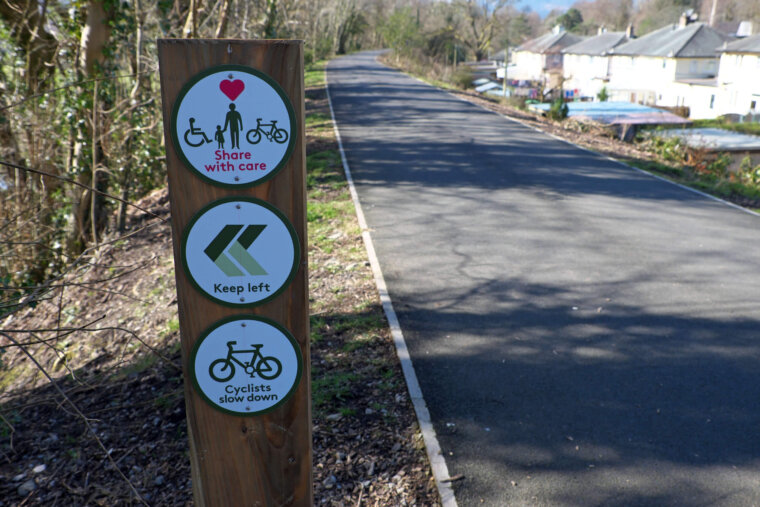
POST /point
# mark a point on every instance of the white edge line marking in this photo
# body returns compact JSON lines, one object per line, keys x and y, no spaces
{"x":435,"y":456}
{"x":588,"y":150}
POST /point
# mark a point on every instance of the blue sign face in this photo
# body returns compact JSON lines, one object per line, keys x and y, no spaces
{"x":245,"y":365}
{"x":240,"y":251}
{"x":233,"y":126}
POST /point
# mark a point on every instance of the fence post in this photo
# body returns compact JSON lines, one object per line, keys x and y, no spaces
{"x":234,"y":130}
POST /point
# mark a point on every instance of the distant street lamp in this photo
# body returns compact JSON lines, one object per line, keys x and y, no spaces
{"x":506,"y":62}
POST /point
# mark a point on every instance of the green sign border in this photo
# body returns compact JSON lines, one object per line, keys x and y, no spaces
{"x":248,"y":70}
{"x":212,"y":328}
{"x":280,"y":215}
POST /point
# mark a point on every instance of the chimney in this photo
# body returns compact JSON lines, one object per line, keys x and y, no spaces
{"x":746,"y":28}
{"x":629,"y":32}
{"x":689,"y":16}
{"x":712,"y":12}
{"x":558,"y":29}
{"x":602,"y":29}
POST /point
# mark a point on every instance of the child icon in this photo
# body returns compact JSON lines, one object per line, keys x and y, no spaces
{"x":219,"y":136}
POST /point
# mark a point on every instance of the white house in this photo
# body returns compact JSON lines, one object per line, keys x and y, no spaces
{"x":739,"y":76}
{"x":586,"y":65}
{"x":676,"y":65}
{"x":541,"y":59}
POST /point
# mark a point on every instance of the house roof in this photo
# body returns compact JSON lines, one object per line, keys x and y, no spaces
{"x":747,"y":45}
{"x":727,"y":27}
{"x":498,"y":56}
{"x":597,"y":45}
{"x":550,"y":42}
{"x":696,"y":40}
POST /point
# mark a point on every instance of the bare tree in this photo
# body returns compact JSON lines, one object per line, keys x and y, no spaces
{"x":482,"y":17}
{"x":611,"y":14}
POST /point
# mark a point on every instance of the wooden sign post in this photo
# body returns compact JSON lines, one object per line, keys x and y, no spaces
{"x":234,"y":129}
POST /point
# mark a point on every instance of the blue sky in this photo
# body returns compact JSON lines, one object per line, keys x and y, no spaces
{"x":544,"y":7}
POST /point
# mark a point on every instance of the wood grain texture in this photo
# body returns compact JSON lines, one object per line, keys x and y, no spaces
{"x":243,"y":461}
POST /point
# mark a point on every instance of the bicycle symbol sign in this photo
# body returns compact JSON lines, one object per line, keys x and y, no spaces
{"x":233,"y":126}
{"x":223,"y":369}
{"x":245,"y":365}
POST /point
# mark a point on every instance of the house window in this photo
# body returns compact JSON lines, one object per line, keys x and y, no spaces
{"x":712,"y":101}
{"x":752,"y":105}
{"x":664,"y":63}
{"x":693,"y":67}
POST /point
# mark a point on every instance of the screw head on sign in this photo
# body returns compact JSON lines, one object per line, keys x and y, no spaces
{"x":229,"y":76}
{"x":242,"y":324}
{"x":237,"y":206}
{"x":237,"y":178}
{"x":248,"y":409}
{"x":242,"y":299}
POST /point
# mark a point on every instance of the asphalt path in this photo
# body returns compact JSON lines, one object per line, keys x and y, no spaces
{"x":583,"y":333}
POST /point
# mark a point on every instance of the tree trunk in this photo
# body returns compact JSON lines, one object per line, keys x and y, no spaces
{"x":26,"y":20}
{"x":270,"y":23}
{"x":87,"y":208}
{"x":224,"y":14}
{"x":191,"y":22}
{"x":94,"y":37}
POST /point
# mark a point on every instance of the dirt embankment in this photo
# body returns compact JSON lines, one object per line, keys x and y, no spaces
{"x":113,"y":426}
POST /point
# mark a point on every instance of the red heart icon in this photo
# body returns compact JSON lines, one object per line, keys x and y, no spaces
{"x":232,"y":89}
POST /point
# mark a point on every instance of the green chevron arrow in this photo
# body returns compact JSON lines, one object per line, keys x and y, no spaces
{"x":237,"y":248}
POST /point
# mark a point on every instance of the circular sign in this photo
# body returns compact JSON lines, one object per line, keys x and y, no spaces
{"x":245,"y":365}
{"x":240,"y":251}
{"x":233,"y":126}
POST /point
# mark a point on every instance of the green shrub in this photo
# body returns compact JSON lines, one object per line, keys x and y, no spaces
{"x":719,"y":166}
{"x":748,"y":174}
{"x":558,"y":110}
{"x":462,"y":78}
{"x":671,"y":149}
{"x":517,"y":101}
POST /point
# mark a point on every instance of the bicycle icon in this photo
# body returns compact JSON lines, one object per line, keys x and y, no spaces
{"x":223,"y":369}
{"x":275,"y":134}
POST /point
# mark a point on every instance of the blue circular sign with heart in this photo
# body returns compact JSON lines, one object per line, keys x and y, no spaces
{"x":233,"y":126}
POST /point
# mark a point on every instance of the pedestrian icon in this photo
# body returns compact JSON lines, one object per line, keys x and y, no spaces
{"x":240,"y":251}
{"x":234,"y":122}
{"x":233,"y":126}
